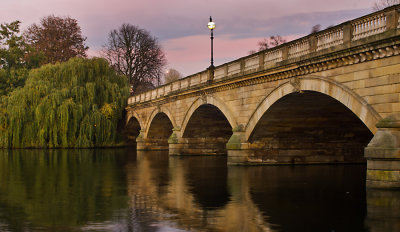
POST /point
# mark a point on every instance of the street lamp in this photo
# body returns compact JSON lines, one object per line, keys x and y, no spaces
{"x":211,"y":26}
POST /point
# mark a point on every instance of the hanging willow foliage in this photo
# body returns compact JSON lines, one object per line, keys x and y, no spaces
{"x":73,"y":104}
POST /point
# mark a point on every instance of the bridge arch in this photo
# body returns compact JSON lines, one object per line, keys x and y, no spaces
{"x":154,"y":113}
{"x":133,"y":114}
{"x":211,"y":101}
{"x":341,"y":93}
{"x":132,"y":128}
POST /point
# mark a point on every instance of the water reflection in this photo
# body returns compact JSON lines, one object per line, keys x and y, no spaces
{"x":121,"y":190}
{"x":201,"y":195}
{"x":383,"y":210}
{"x":310,"y":198}
{"x":58,"y":189}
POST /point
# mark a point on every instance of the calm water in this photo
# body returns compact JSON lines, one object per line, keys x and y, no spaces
{"x":120,"y":190}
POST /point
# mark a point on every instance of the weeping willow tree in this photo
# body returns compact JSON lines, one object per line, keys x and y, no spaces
{"x":73,"y":104}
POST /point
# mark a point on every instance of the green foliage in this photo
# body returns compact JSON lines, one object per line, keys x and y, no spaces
{"x":11,"y":79}
{"x":16,"y":57}
{"x":12,"y":45}
{"x":14,"y":51}
{"x":73,"y":104}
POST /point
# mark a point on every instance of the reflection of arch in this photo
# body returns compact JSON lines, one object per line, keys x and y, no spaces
{"x":212,"y":101}
{"x":135,"y":115}
{"x":154,"y":113}
{"x":333,"y":89}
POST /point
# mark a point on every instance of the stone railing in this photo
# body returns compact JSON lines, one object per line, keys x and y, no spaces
{"x":329,"y":38}
{"x":345,"y":35}
{"x":369,"y":26}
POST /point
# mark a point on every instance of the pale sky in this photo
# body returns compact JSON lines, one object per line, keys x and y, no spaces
{"x":181,"y":25}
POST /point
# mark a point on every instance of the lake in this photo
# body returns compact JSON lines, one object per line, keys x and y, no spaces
{"x":125,"y":190}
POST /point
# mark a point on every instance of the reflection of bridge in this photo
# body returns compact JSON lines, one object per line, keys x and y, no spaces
{"x":313,"y":100}
{"x":173,"y":201}
{"x":201,"y":194}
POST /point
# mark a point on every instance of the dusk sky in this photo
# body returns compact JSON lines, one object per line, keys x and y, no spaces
{"x":181,"y":25}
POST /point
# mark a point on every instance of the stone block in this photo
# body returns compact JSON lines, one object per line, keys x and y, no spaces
{"x":379,"y":184}
{"x":386,"y":70}
{"x":383,"y":107}
{"x":384,"y":98}
{"x":383,"y":175}
{"x":383,"y":80}
{"x":379,"y":90}
{"x":383,"y":165}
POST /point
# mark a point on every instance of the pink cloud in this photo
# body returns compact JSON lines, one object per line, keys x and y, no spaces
{"x":192,"y":54}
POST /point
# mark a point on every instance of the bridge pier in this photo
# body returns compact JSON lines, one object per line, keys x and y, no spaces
{"x":238,"y":148}
{"x":179,"y":145}
{"x":383,"y":154}
{"x":149,"y":144}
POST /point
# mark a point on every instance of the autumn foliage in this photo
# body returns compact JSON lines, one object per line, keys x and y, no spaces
{"x":58,"y":38}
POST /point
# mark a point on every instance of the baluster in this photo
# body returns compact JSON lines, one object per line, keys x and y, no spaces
{"x":374,"y":23}
{"x":365,"y":29}
{"x":398,"y":23}
{"x":370,"y":27}
{"x":335,"y":38}
{"x":319,"y":43}
{"x":355,"y":32}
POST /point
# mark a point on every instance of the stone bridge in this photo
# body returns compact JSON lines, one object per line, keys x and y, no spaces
{"x":316,"y":99}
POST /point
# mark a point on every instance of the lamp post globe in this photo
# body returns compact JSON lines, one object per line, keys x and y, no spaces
{"x":211,"y":24}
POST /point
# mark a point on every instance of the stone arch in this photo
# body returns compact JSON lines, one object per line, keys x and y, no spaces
{"x":343,"y":94}
{"x":132,"y":129}
{"x":132,"y":114}
{"x":153,"y":115}
{"x":212,"y":101}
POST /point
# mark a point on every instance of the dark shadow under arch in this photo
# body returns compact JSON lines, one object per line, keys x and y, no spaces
{"x":159,"y":131}
{"x":132,"y":131}
{"x":310,"y":127}
{"x":208,"y":121}
{"x":208,"y":130}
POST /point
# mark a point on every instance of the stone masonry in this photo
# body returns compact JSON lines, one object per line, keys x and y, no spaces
{"x":317,"y":99}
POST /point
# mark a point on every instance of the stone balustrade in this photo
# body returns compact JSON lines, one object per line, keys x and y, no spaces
{"x":369,"y":26}
{"x":345,"y":35}
{"x":330,"y":38}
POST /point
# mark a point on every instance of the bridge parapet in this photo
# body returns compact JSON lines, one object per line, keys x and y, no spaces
{"x":346,"y":35}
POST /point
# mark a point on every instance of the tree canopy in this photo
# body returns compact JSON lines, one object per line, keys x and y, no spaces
{"x":381,"y":4}
{"x":72,"y":104}
{"x":58,"y":38}
{"x":271,"y":42}
{"x":16,"y":57}
{"x":172,"y":75}
{"x":133,"y":52}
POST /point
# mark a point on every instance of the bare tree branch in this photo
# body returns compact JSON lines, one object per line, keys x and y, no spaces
{"x":133,"y":52}
{"x":381,"y":4}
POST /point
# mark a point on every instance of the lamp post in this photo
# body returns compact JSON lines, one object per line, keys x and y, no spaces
{"x":211,"y":26}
